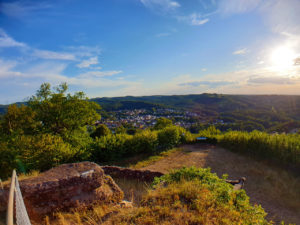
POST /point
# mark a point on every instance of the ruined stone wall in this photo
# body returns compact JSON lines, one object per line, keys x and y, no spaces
{"x":120,"y":172}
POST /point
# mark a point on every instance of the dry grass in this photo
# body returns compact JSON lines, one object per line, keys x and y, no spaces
{"x":275,"y":189}
{"x":155,"y":158}
{"x":22,"y":176}
{"x":133,"y":189}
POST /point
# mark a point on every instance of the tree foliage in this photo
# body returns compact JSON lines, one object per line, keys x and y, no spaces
{"x":162,"y":123}
{"x":59,"y":112}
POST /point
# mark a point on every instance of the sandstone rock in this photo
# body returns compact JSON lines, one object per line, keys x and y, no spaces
{"x":75,"y":185}
{"x":126,"y":204}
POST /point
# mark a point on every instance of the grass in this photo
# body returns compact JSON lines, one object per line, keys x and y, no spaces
{"x":22,"y":176}
{"x":133,"y":189}
{"x":155,"y":158}
{"x":192,"y":196}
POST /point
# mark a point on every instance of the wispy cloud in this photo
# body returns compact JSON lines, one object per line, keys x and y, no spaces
{"x":6,"y":41}
{"x":95,"y":74}
{"x":272,"y":80}
{"x":161,"y":5}
{"x":193,"y":19}
{"x":211,"y":84}
{"x":45,"y":54}
{"x":237,"y":6}
{"x":88,"y":62}
{"x":165,"y":34}
{"x":83,"y":51}
{"x":241,"y":51}
{"x":22,"y":8}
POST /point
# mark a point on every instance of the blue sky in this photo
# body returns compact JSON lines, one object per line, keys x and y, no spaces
{"x":150,"y":47}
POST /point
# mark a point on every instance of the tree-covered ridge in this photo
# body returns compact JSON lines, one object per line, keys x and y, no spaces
{"x":239,"y":112}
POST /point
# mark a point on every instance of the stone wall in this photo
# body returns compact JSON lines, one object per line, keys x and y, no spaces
{"x":120,"y":172}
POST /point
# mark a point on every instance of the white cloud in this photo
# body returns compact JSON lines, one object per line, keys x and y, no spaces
{"x":45,"y":54}
{"x":240,"y":51}
{"x":237,"y":6}
{"x":193,"y":19}
{"x":95,"y":74}
{"x":6,"y":41}
{"x":161,"y":5}
{"x":6,"y":69}
{"x":282,"y":16}
{"x":84,"y":51}
{"x":163,"y":34}
{"x":22,"y":8}
{"x":88,"y":62}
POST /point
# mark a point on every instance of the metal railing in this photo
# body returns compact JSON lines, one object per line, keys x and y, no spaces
{"x":15,"y":199}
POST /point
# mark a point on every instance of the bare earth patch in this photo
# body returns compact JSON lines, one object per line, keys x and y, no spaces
{"x":277,"y":191}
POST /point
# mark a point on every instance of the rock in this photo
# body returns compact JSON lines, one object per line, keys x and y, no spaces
{"x":68,"y":186}
{"x":126,"y":204}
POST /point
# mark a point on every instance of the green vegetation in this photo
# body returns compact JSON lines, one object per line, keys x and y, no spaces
{"x":55,"y":127}
{"x":283,"y":149}
{"x":51,"y":129}
{"x":239,"y":112}
{"x":116,"y":146}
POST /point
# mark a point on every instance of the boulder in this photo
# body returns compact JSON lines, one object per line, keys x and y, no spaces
{"x":68,"y":186}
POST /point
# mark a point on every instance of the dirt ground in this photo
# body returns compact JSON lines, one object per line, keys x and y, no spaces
{"x":277,"y":191}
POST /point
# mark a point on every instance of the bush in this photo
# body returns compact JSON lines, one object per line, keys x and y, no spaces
{"x":110,"y":147}
{"x":172,"y":136}
{"x":194,"y":196}
{"x":101,"y":130}
{"x":143,"y":142}
{"x":284,"y":148}
{"x":41,"y":152}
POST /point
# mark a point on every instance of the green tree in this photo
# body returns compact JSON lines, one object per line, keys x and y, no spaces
{"x":59,"y":112}
{"x":101,"y":130}
{"x":19,"y":120}
{"x":161,"y":123}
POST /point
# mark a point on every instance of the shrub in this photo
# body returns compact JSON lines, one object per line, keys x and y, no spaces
{"x":101,"y":130}
{"x":194,"y":196}
{"x":41,"y":152}
{"x":110,"y":147}
{"x":168,"y":137}
{"x":284,"y":148}
{"x":143,"y":142}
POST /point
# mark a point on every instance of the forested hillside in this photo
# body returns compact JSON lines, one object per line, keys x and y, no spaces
{"x":241,"y":112}
{"x":271,"y":113}
{"x":215,"y":104}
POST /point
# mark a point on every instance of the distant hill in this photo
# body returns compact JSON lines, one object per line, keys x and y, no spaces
{"x":259,"y":111}
{"x":111,"y":104}
{"x":213,"y":104}
{"x":272,"y":112}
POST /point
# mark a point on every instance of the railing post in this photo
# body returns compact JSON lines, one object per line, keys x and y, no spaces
{"x":10,"y":206}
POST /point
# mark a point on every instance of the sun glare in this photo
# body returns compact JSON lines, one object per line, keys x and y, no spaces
{"x":282,"y":58}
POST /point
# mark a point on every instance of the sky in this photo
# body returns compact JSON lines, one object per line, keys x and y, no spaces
{"x":112,"y":48}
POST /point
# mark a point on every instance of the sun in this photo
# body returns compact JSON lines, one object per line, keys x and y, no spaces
{"x":282,"y":58}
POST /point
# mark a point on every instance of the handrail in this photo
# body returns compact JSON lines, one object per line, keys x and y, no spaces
{"x":10,"y":206}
